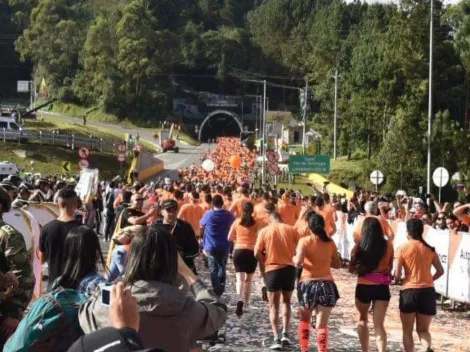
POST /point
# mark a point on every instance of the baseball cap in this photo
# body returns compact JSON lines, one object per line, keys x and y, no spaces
{"x":170,"y":204}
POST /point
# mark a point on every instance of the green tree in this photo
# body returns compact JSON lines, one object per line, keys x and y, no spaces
{"x":53,"y":42}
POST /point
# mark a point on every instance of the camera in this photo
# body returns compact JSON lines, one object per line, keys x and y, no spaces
{"x":106,"y":295}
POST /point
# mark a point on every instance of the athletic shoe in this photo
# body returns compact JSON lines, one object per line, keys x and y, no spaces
{"x":239,"y":311}
{"x":285,"y":339}
{"x":276,"y":346}
{"x":264,"y":294}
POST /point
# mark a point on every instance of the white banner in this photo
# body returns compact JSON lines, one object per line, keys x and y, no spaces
{"x":459,"y":267}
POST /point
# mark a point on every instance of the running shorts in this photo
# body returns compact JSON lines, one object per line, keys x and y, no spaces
{"x":281,"y":279}
{"x":317,"y":292}
{"x":244,"y":261}
{"x":418,"y":300}
{"x":369,"y":293}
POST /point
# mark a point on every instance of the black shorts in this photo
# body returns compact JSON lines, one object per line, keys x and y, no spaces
{"x":418,"y":300}
{"x":370,"y":293}
{"x":280,"y":280}
{"x":244,"y":261}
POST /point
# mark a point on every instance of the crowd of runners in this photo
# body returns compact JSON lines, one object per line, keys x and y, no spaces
{"x":147,"y":292}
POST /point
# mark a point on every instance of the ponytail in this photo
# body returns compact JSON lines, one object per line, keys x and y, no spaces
{"x":316,"y":224}
{"x":247,"y":219}
{"x":415,"y":228}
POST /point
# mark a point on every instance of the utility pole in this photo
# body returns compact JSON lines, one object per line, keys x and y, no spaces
{"x":263,"y":165}
{"x":431,"y":25}
{"x":336,"y":115}
{"x":305,"y":115}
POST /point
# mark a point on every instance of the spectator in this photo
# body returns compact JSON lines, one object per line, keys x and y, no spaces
{"x":169,"y":318}
{"x":81,"y":254}
{"x":53,"y":234}
{"x":16,"y":260}
{"x":181,"y":231}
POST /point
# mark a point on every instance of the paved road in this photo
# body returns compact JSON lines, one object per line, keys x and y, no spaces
{"x":187,"y":155}
{"x":144,"y":133}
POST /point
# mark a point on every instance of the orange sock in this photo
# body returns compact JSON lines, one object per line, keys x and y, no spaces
{"x":304,"y":335}
{"x":322,"y":340}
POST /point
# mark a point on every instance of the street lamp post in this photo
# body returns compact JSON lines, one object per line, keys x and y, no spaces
{"x":431,"y":28}
{"x":336,"y":115}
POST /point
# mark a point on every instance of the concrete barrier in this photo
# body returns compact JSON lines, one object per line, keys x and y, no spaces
{"x":149,"y":166}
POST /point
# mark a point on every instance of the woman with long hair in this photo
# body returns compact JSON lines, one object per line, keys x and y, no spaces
{"x":317,"y":290}
{"x":243,"y":234}
{"x":169,"y":318}
{"x":372,"y":261}
{"x":82,"y":253}
{"x":417,"y":293}
{"x":79,"y":280}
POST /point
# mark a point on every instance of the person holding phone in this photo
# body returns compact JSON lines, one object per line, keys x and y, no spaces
{"x":169,"y":318}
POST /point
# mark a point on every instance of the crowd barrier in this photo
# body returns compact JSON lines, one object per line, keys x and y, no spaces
{"x":453,"y":250}
{"x":29,"y":221}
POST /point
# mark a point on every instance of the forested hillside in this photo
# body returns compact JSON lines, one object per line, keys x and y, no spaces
{"x":118,"y":55}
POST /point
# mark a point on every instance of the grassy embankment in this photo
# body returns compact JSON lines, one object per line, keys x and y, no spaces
{"x":49,"y":159}
{"x":98,"y":115}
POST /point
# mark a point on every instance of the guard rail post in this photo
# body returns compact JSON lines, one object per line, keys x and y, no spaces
{"x":19,"y":136}
{"x":40,"y":137}
{"x":73,"y":142}
{"x":91,"y":141}
{"x":101,"y":146}
{"x":53,"y":137}
{"x":4,"y":135}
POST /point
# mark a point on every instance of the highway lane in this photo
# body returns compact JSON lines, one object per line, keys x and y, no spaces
{"x":186,"y":157}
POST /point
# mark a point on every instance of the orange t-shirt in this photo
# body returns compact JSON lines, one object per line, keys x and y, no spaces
{"x":417,"y":261}
{"x":303,"y":230}
{"x":205,"y":207}
{"x":261,"y":215}
{"x":465,"y":218}
{"x":357,"y":232}
{"x":192,"y":213}
{"x":289,"y":213}
{"x":329,"y":215}
{"x":385,"y":264}
{"x":237,"y":206}
{"x":243,"y":237}
{"x":318,"y":258}
{"x":279,"y":241}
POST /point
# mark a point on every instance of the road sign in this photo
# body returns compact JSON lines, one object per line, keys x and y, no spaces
{"x":84,"y":153}
{"x":66,"y":166}
{"x":122,"y":157}
{"x":272,"y":156}
{"x":22,"y":86}
{"x":299,"y":164}
{"x":121,"y":148}
{"x":83,"y":164}
{"x":273,"y":169}
{"x":376,"y":177}
{"x":459,"y":177}
{"x":440,"y":177}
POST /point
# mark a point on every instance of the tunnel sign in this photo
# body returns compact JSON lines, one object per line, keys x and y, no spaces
{"x":301,"y":164}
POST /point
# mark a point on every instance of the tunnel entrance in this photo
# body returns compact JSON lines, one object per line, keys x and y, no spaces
{"x":219,"y":124}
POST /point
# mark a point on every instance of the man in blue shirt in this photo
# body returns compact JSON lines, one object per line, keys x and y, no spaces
{"x":216,"y":225}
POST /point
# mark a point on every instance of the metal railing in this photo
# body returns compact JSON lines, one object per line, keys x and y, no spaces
{"x":71,"y":141}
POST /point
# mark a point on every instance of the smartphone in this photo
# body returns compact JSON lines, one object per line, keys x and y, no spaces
{"x":106,"y":295}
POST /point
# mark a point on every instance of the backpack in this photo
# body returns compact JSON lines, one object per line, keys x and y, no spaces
{"x":50,"y":325}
